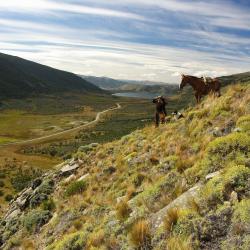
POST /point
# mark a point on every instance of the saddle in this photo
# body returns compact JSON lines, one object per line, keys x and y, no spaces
{"x":207,"y":80}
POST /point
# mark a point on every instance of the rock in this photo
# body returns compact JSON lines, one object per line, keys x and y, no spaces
{"x":37,"y":182}
{"x":237,"y":130}
{"x":181,"y":202}
{"x":83,"y":177}
{"x":110,"y":170}
{"x":121,"y":198}
{"x":233,"y":198}
{"x":69,"y":169}
{"x":70,"y":178}
{"x":13,"y":214}
{"x":212,"y":175}
{"x":216,"y":132}
{"x":23,"y":200}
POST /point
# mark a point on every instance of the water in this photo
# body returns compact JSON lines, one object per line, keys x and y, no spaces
{"x":142,"y":95}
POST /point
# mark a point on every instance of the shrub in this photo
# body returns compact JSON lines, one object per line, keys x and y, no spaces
{"x":122,"y":210}
{"x":35,"y":219}
{"x":244,"y":123}
{"x":140,"y":235}
{"x":233,"y":148}
{"x":75,"y":241}
{"x":49,"y":205}
{"x":241,"y":217}
{"x":1,"y":183}
{"x":42,"y":193}
{"x":23,"y":178}
{"x":171,"y":219}
{"x":8,"y":197}
{"x":2,"y":175}
{"x":76,"y":187}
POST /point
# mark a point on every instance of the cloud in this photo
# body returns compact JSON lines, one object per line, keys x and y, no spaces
{"x":152,"y":40}
{"x":52,"y":6}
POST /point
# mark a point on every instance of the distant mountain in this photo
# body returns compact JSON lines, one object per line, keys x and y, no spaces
{"x":167,"y":89}
{"x":114,"y":84}
{"x":104,"y":82}
{"x":21,"y":78}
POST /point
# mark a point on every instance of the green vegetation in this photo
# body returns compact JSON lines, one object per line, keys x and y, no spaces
{"x":150,"y":189}
{"x":35,"y":219}
{"x":76,"y":187}
{"x":21,"y":78}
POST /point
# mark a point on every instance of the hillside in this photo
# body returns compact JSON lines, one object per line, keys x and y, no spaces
{"x":184,"y":185}
{"x":22,"y":78}
{"x":166,"y":89}
{"x":104,"y":82}
{"x":236,"y":78}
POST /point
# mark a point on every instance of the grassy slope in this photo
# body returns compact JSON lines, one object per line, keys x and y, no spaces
{"x":156,"y":166}
{"x":20,"y":78}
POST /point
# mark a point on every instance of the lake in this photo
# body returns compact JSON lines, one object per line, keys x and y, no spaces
{"x":143,"y":95}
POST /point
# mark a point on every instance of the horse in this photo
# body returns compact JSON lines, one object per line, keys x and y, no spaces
{"x":160,"y":113}
{"x":200,"y":87}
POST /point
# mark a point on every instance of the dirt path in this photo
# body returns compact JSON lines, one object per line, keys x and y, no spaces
{"x":39,"y":139}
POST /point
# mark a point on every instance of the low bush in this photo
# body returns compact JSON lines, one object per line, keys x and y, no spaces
{"x":49,"y":205}
{"x":35,"y":219}
{"x":8,"y":197}
{"x":76,"y":187}
{"x":1,"y":183}
{"x":75,"y":241}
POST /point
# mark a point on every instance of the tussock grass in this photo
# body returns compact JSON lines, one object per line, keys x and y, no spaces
{"x":140,"y":236}
{"x":179,"y":243}
{"x":122,"y":210}
{"x":171,"y":219}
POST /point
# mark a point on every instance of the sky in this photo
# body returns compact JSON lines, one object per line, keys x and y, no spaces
{"x":154,"y":40}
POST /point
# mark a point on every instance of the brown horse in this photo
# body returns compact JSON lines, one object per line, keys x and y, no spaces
{"x":200,"y":87}
{"x":160,"y":113}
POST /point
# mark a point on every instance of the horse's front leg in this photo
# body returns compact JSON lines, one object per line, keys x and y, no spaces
{"x":197,"y":97}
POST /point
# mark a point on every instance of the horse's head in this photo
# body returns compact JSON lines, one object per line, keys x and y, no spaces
{"x":159,"y":100}
{"x":184,"y":81}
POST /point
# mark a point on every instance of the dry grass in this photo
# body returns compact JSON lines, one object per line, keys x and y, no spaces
{"x":171,"y":219}
{"x":140,"y":235}
{"x":194,"y":206}
{"x":122,"y":210}
{"x":97,"y":239}
{"x":179,"y":243}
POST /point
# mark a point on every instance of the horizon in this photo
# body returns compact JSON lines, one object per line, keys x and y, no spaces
{"x":147,"y":40}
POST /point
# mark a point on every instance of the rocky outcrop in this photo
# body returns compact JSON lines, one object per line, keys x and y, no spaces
{"x":30,"y":198}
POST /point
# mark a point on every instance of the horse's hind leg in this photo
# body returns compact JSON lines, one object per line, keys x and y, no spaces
{"x":157,"y":119}
{"x":162,"y":117}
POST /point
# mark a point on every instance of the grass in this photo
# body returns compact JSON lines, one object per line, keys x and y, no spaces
{"x":76,"y":187}
{"x":179,"y":243}
{"x":122,"y":210}
{"x":171,"y":219}
{"x":140,"y":236}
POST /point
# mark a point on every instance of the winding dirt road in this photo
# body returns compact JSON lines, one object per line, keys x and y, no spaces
{"x":97,"y":118}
